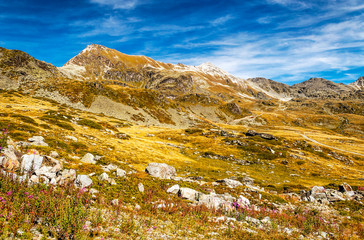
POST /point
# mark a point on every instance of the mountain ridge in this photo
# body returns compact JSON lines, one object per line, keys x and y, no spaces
{"x":104,"y":80}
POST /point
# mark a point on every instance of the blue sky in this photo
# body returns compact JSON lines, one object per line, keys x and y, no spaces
{"x":284,"y":40}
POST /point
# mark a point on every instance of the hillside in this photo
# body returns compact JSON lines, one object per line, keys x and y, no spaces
{"x":113,"y":146}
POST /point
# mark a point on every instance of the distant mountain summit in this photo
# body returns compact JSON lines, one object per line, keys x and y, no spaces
{"x":358,"y":84}
{"x":321,"y":88}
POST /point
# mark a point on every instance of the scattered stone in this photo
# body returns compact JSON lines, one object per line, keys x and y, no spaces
{"x":9,"y":160}
{"x":71,"y":138}
{"x":243,"y":201}
{"x":230,"y":183}
{"x":31,"y":162}
{"x":104,"y":177}
{"x":45,"y":171}
{"x":188,"y":193}
{"x":54,"y":154}
{"x":34,"y":179}
{"x":38,"y":141}
{"x":112,"y":181}
{"x":344,"y":187}
{"x":88,"y":158}
{"x":161,"y":170}
{"x":334,"y":196}
{"x":67,"y":176}
{"x":174,"y":189}
{"x":83,"y":181}
{"x":115,"y":202}
{"x":120,"y":172}
{"x":141,"y":187}
{"x":251,"y":133}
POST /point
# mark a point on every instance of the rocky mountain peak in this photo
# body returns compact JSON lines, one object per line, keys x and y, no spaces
{"x":358,"y":84}
{"x":93,"y":47}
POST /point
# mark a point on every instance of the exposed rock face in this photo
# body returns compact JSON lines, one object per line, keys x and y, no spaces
{"x":273,"y":88}
{"x":216,"y":200}
{"x":358,"y":84}
{"x":234,"y":108}
{"x":161,"y":170}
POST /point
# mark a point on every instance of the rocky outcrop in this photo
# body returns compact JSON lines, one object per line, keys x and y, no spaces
{"x":251,"y":133}
{"x":161,"y":170}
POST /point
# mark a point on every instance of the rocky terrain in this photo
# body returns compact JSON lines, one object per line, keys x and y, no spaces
{"x":112,"y":146}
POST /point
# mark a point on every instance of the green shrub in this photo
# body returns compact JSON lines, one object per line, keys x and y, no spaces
{"x":25,"y":119}
{"x":89,"y":123}
{"x":193,"y":130}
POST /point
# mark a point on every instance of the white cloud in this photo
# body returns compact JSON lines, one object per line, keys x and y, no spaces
{"x":329,"y":48}
{"x":221,"y":20}
{"x":118,"y":4}
{"x":112,"y":26}
{"x":294,"y":4}
{"x":168,"y":29}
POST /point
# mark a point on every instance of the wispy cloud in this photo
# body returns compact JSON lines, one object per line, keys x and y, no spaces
{"x":290,"y":58}
{"x":111,"y":26}
{"x":221,"y":20}
{"x":294,"y":4}
{"x":118,"y":4}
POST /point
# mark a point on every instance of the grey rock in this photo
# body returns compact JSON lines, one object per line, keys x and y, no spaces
{"x":115,"y":202}
{"x":71,"y":138}
{"x":83,"y":181}
{"x":104,"y":177}
{"x":120,"y":172}
{"x":9,"y":160}
{"x":141,"y":187}
{"x":88,"y":158}
{"x":45,"y":171}
{"x":54,"y":154}
{"x":67,"y":176}
{"x":161,"y":170}
{"x":230,"y":183}
{"x":188,"y":193}
{"x":38,"y":141}
{"x":243,"y":201}
{"x":174,"y":189}
{"x":211,"y":200}
{"x":31,"y":162}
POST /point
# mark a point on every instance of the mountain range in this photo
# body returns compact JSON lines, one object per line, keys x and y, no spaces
{"x":138,"y":88}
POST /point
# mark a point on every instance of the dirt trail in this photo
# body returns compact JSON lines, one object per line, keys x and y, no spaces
{"x":322,"y":144}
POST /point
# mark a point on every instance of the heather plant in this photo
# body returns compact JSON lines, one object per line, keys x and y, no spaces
{"x":59,"y":212}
